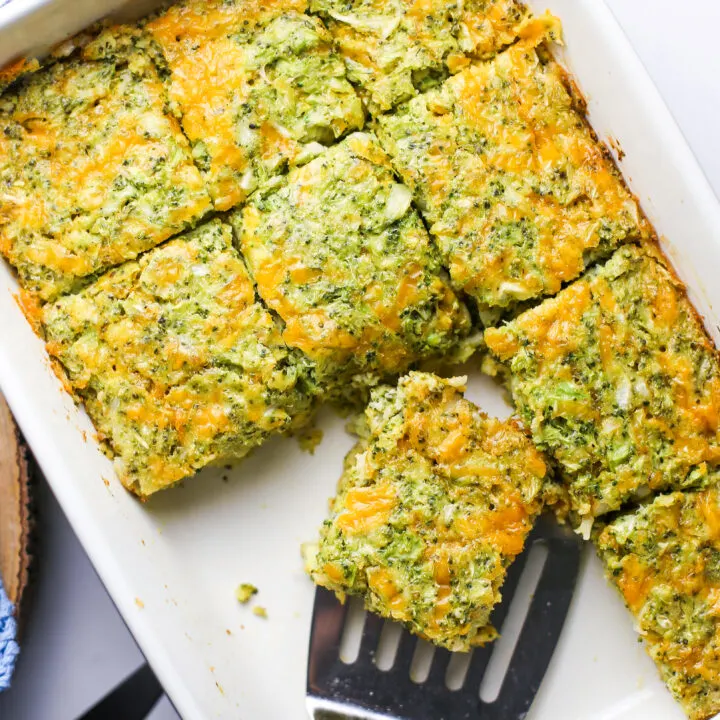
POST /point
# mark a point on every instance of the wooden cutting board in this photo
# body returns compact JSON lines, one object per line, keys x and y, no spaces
{"x":15,"y":511}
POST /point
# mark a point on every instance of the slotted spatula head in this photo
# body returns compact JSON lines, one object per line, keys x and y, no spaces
{"x":337,"y":689}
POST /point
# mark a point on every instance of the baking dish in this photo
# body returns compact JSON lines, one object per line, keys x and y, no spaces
{"x":172,"y":564}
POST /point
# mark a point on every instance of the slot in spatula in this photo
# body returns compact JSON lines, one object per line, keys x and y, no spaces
{"x":360,"y":690}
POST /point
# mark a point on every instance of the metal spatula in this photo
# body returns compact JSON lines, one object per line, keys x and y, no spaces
{"x":360,"y":690}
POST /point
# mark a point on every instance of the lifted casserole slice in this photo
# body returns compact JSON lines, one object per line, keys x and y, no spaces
{"x":396,"y":48}
{"x":178,"y":365}
{"x":337,"y":251}
{"x":257,"y":86}
{"x":664,"y":558}
{"x":618,"y":380}
{"x":92,"y":170}
{"x":515,"y":188}
{"x":434,"y":503}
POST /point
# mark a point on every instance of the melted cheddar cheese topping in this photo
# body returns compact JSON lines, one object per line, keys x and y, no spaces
{"x":92,"y":170}
{"x":516,"y":190}
{"x":178,"y":364}
{"x":395,"y":48}
{"x":618,"y":380}
{"x":339,"y":254}
{"x":257,"y":86}
{"x":435,"y":502}
{"x":664,"y":558}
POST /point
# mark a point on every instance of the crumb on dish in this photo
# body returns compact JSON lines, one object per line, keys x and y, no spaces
{"x":244,"y":592}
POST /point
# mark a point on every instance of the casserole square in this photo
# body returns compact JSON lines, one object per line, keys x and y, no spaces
{"x":618,"y":381}
{"x":395,"y":49}
{"x":434,"y":503}
{"x":93,"y":171}
{"x":514,"y":186}
{"x":177,"y":363}
{"x":257,"y":86}
{"x":664,"y":558}
{"x":337,"y":251}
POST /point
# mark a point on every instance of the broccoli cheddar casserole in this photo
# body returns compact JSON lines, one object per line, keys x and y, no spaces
{"x":229,"y":212}
{"x":434,"y":503}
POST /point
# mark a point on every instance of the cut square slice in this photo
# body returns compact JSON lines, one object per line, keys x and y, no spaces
{"x":515,"y":188}
{"x":178,"y":365}
{"x":434,"y":503}
{"x":257,"y":86}
{"x":619,"y":382}
{"x":92,"y":170}
{"x":664,"y":558}
{"x":395,"y":49}
{"x":339,"y":254}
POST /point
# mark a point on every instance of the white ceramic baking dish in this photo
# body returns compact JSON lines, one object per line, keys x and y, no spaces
{"x":172,"y":564}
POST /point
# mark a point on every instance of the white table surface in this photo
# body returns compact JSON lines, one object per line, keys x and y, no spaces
{"x":76,"y":646}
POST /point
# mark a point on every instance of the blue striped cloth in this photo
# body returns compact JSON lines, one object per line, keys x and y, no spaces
{"x":9,"y":648}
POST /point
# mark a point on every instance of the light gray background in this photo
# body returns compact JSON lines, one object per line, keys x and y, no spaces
{"x":76,"y":646}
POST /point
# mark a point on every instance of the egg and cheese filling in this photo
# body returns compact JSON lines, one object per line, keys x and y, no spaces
{"x":664,"y":558}
{"x":257,"y":85}
{"x":397,"y":48}
{"x":93,"y":171}
{"x":337,"y":251}
{"x":434,"y":503}
{"x":516,"y":190}
{"x":178,"y":364}
{"x":619,"y":382}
